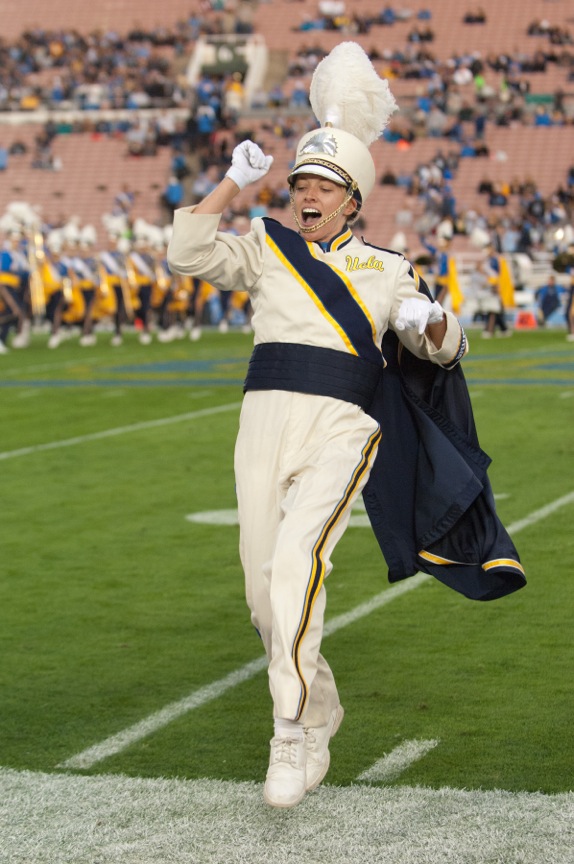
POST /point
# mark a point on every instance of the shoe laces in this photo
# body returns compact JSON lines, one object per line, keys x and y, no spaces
{"x":285,"y":750}
{"x":310,"y":737}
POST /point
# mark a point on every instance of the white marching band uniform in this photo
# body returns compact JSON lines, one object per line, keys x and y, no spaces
{"x":306,"y":443}
{"x":286,"y":499}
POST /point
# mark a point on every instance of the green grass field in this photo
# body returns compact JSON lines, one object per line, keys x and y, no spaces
{"x":114,"y":605}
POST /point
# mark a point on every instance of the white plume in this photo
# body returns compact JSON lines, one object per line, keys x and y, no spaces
{"x":88,"y":235}
{"x":347,"y":93}
{"x":479,"y":237}
{"x":140,"y":228}
{"x":115,"y":225}
{"x":24,"y":213}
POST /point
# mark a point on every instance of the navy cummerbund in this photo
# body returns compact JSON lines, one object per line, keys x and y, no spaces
{"x":318,"y":371}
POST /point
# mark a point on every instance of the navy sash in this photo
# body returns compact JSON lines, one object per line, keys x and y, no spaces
{"x":314,"y":370}
{"x":329,"y":288}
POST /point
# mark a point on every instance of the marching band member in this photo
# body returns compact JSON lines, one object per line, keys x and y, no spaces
{"x":310,"y":427}
{"x":74,"y":307}
{"x":140,"y":266}
{"x":501,"y":292}
{"x":87,"y":269}
{"x":202,"y":292}
{"x":14,"y":276}
{"x":112,"y":262}
{"x":164,"y":287}
{"x":57,"y":285}
{"x":322,"y":301}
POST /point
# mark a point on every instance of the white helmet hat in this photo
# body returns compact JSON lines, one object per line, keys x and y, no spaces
{"x":10,"y":226}
{"x":88,"y":236}
{"x":55,"y":241}
{"x":353,"y":106}
{"x":338,"y":156}
{"x":155,"y":237}
{"x":71,"y":233}
{"x":123,"y":245}
{"x":399,"y":243}
{"x":115,"y":225}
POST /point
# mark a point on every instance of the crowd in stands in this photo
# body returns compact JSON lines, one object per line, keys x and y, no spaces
{"x":146,"y":68}
{"x":105,"y":69}
{"x":453,"y":102}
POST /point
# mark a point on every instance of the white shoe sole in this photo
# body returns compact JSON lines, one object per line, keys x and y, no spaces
{"x":283,"y":805}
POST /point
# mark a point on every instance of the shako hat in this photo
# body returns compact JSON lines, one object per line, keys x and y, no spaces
{"x":353,"y":106}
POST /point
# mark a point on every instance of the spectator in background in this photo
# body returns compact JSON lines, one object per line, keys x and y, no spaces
{"x":542,"y":116}
{"x":493,"y":307}
{"x":570,"y":305}
{"x":497,"y":196}
{"x":205,"y":182}
{"x":233,"y":97}
{"x":172,"y":196}
{"x":124,"y":201}
{"x":549,"y":299}
{"x":476,"y":16}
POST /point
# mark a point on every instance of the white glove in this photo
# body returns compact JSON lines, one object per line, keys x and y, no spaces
{"x":248,"y":164}
{"x":416,"y":313}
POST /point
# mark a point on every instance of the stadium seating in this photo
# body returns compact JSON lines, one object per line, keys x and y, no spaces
{"x":93,"y":168}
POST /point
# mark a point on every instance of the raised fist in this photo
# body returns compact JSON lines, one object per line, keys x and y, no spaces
{"x":248,"y":164}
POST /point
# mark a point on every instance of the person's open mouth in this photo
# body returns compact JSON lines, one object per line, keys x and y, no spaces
{"x":310,"y":216}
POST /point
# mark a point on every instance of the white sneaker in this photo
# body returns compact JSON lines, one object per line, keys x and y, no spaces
{"x":145,"y":338}
{"x":223,"y":326}
{"x":88,"y":340}
{"x":54,"y":340}
{"x":285,"y":783}
{"x":3,"y":348}
{"x":195,"y":334}
{"x":317,"y":747}
{"x":167,"y":335}
{"x":570,"y":337}
{"x":116,"y":340}
{"x":22,"y":339}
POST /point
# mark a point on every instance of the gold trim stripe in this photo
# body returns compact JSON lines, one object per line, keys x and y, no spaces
{"x":318,"y":566}
{"x":489,"y":565}
{"x":285,"y":261}
{"x":503,"y":562}
{"x":436,"y":559}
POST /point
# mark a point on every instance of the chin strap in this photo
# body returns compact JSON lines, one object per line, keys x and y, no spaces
{"x":327,"y":219}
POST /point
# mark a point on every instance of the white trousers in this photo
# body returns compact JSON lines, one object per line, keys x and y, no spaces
{"x":300,"y":463}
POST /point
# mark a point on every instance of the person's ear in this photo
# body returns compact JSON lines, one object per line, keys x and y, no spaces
{"x":350,"y":207}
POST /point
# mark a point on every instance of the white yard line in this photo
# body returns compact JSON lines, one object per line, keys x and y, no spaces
{"x":538,"y":515}
{"x":117,"y":743}
{"x":133,"y":734}
{"x":393,"y":764}
{"x":119,"y":430}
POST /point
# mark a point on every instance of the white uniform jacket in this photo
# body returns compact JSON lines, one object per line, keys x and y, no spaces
{"x":342,"y":296}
